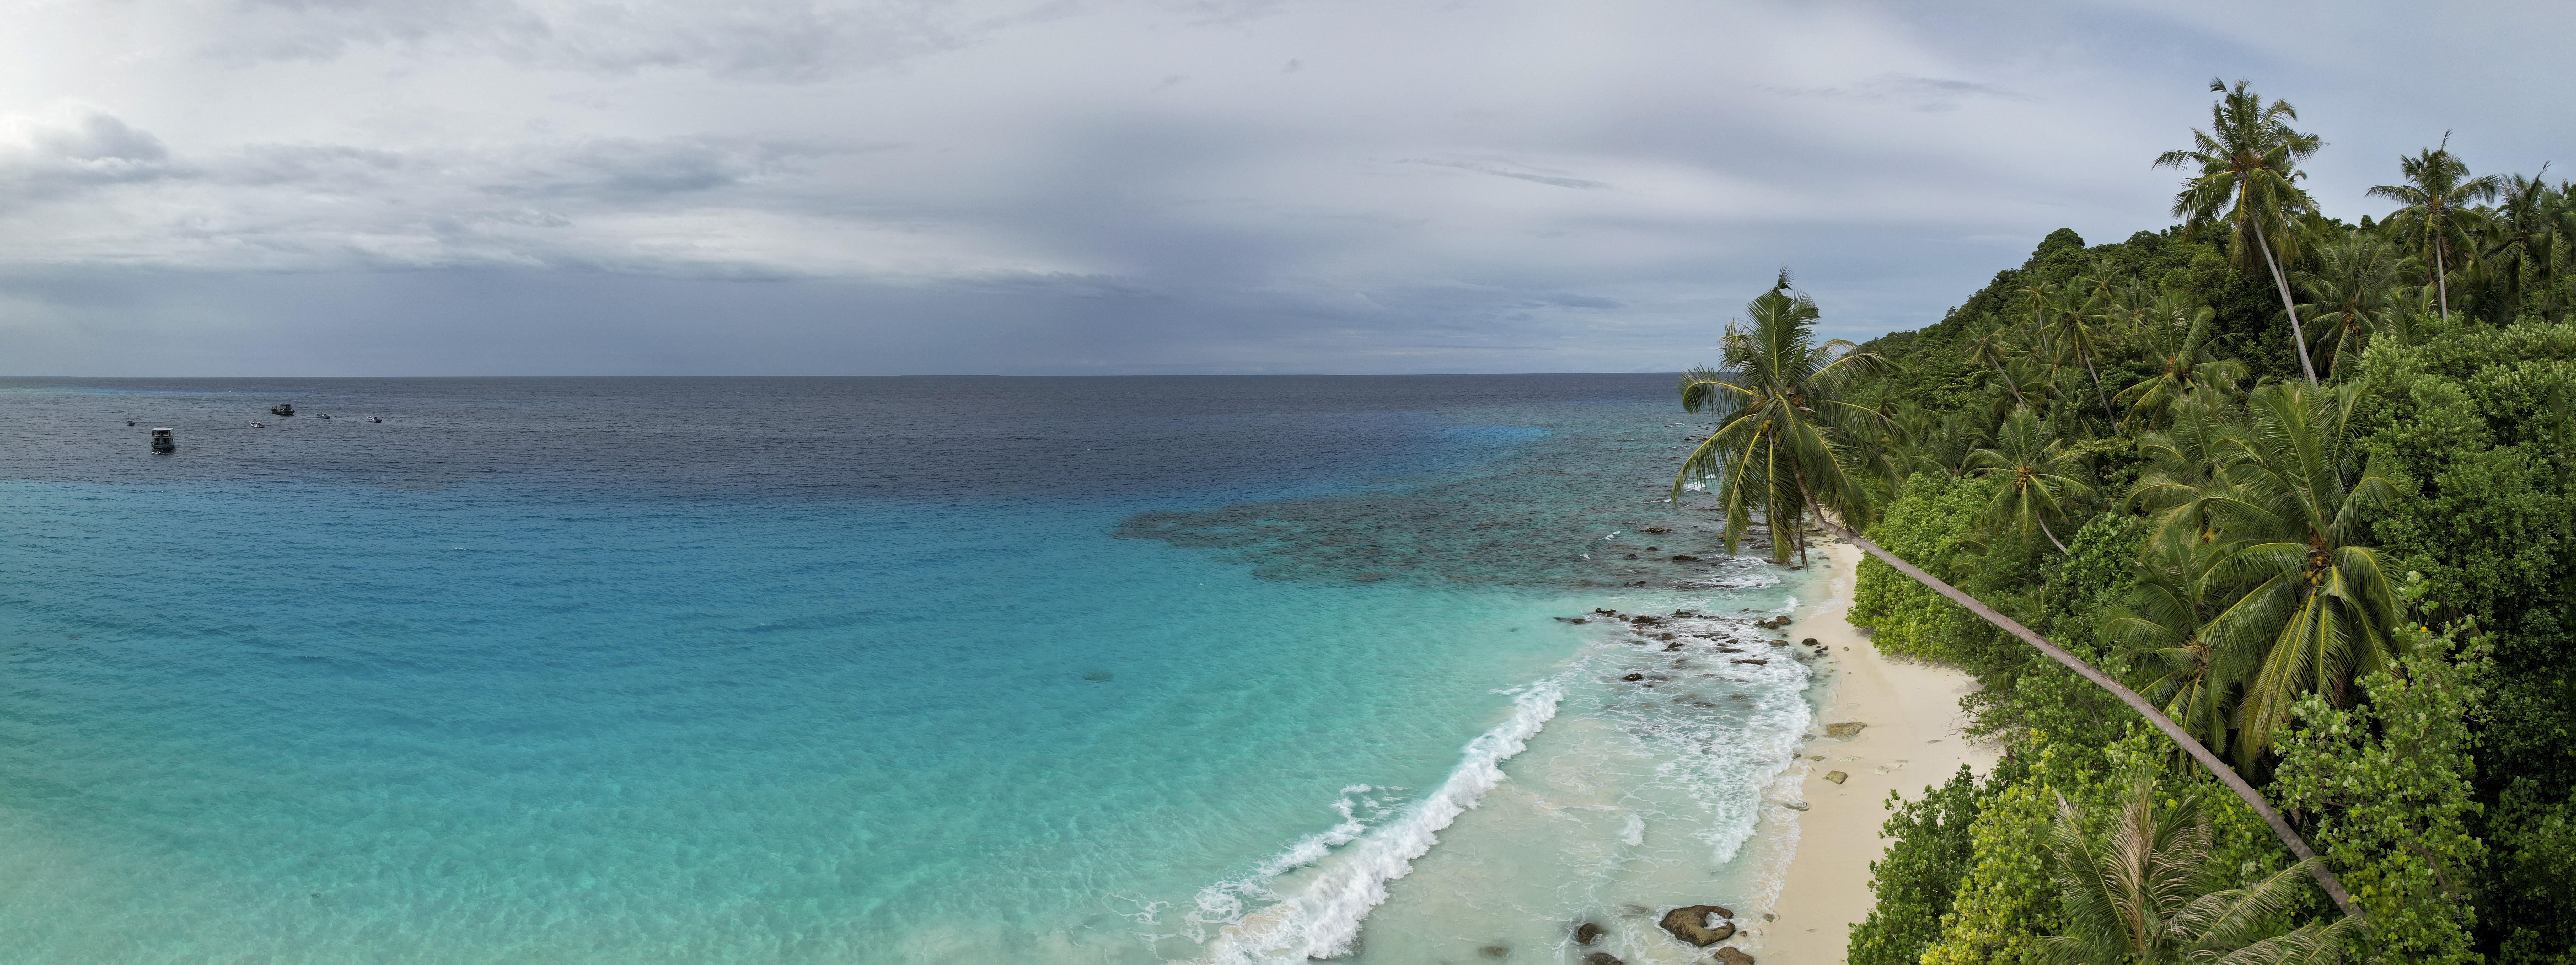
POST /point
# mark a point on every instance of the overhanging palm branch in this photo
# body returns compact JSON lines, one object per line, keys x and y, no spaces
{"x":2145,"y":889}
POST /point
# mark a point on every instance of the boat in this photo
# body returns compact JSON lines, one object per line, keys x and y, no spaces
{"x":259,"y":425}
{"x":325,"y":415}
{"x":162,"y":442}
{"x":374,"y":419}
{"x":282,"y":408}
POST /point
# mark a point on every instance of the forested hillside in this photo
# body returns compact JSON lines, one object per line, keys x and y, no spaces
{"x":2357,"y":587}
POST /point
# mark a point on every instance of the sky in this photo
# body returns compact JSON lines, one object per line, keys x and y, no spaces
{"x":894,"y":187}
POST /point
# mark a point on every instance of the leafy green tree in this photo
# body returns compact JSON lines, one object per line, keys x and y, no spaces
{"x":2040,"y":478}
{"x":2437,"y":219}
{"x":2385,"y":786}
{"x":1784,"y":441}
{"x":2312,"y":607}
{"x":2144,"y":890}
{"x":1928,"y":854}
{"x":2249,"y":182}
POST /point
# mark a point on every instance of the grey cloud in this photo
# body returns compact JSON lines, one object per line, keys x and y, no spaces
{"x":1552,"y":180}
{"x":1907,"y":90}
{"x":87,"y":149}
{"x":777,"y":40}
{"x":630,"y":169}
{"x":1584,"y":301}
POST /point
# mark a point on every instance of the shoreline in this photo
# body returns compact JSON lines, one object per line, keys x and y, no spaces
{"x":1915,"y":736}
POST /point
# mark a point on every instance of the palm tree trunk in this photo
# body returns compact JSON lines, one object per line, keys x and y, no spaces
{"x":2298,"y":339}
{"x":2216,"y":767}
{"x":2097,"y":390}
{"x":2441,"y":284}
{"x":2052,"y":537}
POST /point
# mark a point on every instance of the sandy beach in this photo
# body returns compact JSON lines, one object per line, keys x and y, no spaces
{"x":1913,"y":738}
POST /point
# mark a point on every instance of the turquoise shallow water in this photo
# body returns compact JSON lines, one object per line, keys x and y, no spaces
{"x":1102,"y":671}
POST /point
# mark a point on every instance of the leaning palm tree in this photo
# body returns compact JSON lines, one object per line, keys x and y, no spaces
{"x":1786,"y":440}
{"x":2352,"y":284}
{"x":2249,"y":183}
{"x":2313,"y":608}
{"x":2038,"y":474}
{"x":1782,"y":422}
{"x":2148,"y":890}
{"x":2437,"y":194}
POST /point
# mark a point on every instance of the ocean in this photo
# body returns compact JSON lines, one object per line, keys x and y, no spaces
{"x":938,"y":670}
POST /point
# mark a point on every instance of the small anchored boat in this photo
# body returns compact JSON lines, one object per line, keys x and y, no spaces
{"x":259,"y":425}
{"x":283,"y":408}
{"x":374,"y":419}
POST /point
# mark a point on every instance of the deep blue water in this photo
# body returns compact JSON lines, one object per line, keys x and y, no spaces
{"x":899,"y":669}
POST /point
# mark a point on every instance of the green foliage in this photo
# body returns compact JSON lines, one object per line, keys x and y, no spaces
{"x":2242,"y":581}
{"x":1929,"y":854}
{"x":2385,"y":789}
{"x":2006,"y":903}
{"x":1930,"y":524}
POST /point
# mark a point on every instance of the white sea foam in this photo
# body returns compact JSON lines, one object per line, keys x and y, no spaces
{"x":1321,"y":918}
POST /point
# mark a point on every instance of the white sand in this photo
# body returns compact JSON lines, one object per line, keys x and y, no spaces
{"x":1913,"y":739}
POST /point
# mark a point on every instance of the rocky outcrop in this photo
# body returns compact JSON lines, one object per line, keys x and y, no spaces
{"x":1586,"y":932}
{"x":1603,"y":958}
{"x":1690,"y":924}
{"x":1845,"y":729}
{"x":1731,"y":955}
{"x":1837,"y":776}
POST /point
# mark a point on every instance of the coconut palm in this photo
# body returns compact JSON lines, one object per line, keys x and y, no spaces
{"x":2185,"y":458}
{"x":1797,"y":428}
{"x":1993,"y":347}
{"x":2249,"y":183}
{"x":2147,"y":889}
{"x":2312,"y":608}
{"x":2177,"y":333}
{"x":2038,"y":474}
{"x":2352,"y":285}
{"x":2078,"y":332}
{"x":1785,"y":437}
{"x":2532,"y":223}
{"x":2161,"y":623}
{"x":2437,"y":193}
